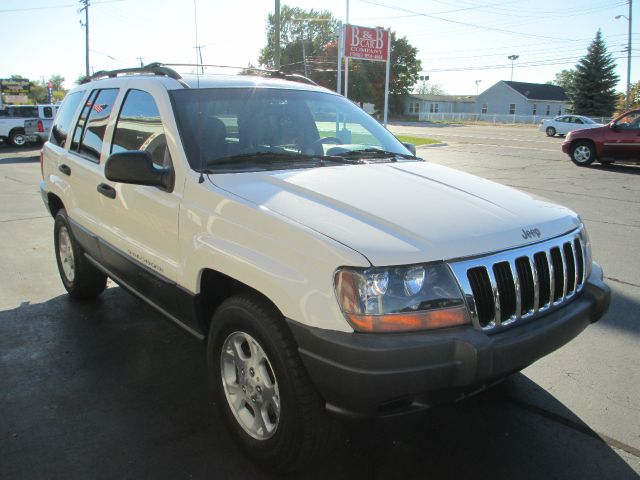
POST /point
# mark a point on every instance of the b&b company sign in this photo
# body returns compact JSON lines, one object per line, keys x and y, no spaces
{"x":366,"y":43}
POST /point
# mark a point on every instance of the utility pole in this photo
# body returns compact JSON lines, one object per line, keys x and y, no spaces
{"x":141,"y":64}
{"x":478,"y":81}
{"x":199,"y":48}
{"x":513,"y":58}
{"x":276,"y":56}
{"x":628,"y":97}
{"x":86,"y":4}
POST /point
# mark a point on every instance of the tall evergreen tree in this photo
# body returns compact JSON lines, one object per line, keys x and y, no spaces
{"x":595,"y":80}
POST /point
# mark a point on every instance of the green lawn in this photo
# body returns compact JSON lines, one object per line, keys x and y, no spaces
{"x":417,"y":140}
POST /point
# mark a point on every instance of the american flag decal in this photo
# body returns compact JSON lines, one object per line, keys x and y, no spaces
{"x":99,"y":108}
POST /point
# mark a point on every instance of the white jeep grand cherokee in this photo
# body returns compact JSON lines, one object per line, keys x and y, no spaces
{"x":328,"y":268}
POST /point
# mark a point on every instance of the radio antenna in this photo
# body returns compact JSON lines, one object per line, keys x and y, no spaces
{"x":199,"y":117}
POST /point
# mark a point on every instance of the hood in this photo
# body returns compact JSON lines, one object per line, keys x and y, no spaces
{"x":405,"y":212}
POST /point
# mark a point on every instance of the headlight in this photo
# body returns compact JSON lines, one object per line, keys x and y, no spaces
{"x":400,"y":299}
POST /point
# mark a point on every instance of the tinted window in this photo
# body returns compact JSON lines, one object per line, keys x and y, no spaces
{"x":77,"y":134}
{"x":97,"y":122}
{"x":47,"y":112}
{"x":23,"y":112}
{"x":62,"y":125}
{"x":139,"y":128}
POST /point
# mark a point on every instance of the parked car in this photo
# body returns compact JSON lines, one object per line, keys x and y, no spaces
{"x":564,"y":124}
{"x":328,"y":269}
{"x":20,"y":124}
{"x":619,"y":140}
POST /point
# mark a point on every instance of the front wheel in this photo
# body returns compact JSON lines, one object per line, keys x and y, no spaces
{"x":262,"y":390}
{"x":583,"y":154}
{"x":550,"y":131}
{"x":80,"y":278}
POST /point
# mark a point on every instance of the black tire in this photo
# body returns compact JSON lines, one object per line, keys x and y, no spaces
{"x":17,"y":138}
{"x":304,"y":431}
{"x":550,"y":131}
{"x":86,"y":281}
{"x":583,"y":153}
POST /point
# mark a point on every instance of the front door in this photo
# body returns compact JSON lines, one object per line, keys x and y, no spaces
{"x":622,"y":140}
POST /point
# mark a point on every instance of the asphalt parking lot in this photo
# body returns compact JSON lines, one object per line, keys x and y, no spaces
{"x":108,"y":389}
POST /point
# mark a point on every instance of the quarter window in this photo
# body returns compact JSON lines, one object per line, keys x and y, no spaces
{"x":139,"y":127}
{"x":62,"y":124}
{"x":47,"y":112}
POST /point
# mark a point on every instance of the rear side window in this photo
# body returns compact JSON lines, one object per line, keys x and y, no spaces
{"x":62,"y":125}
{"x":139,"y":127}
{"x":95,"y":119}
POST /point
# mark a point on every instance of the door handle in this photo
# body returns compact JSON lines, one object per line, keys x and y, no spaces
{"x":107,"y":190}
{"x":66,"y":169}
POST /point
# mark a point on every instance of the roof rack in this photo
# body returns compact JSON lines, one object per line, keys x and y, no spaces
{"x":154,"y":68}
{"x":163,"y":69}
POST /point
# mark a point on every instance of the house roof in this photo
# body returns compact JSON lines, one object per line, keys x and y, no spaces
{"x":444,"y":98}
{"x":539,"y":91}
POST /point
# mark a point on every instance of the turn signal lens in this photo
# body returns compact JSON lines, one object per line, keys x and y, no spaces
{"x":398,"y":322}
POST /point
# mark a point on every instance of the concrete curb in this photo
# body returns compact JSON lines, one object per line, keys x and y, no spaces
{"x":432,"y":145}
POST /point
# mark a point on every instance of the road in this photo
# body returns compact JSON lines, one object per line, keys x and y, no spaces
{"x":107,"y":389}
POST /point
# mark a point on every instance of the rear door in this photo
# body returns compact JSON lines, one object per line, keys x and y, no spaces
{"x":82,"y":169}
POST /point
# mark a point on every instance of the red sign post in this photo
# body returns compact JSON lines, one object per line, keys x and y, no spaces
{"x":366,"y":43}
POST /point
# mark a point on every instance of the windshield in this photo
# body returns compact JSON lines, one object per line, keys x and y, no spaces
{"x":249,"y":128}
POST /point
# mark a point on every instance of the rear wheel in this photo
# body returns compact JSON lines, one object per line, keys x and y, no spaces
{"x":80,"y":278}
{"x":17,"y":138}
{"x":550,"y":131}
{"x":262,"y":390}
{"x":583,"y":153}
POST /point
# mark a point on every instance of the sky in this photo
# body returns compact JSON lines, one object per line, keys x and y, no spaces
{"x":459,"y":42}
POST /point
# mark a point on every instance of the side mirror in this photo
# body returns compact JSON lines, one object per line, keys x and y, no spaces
{"x":615,"y":127}
{"x":137,"y":167}
{"x":411,"y":147}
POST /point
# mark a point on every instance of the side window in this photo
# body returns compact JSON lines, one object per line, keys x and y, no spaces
{"x":96,"y":123}
{"x":578,"y":120}
{"x":77,"y":133}
{"x":47,"y":112}
{"x":62,"y":125}
{"x":139,"y":127}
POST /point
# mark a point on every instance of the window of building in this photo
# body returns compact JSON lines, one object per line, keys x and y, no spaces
{"x":411,"y":107}
{"x":535,"y":109}
{"x":62,"y":124}
{"x":560,"y":110}
{"x":139,"y":127}
{"x":548,"y":110}
{"x":434,"y":107}
{"x":512,"y":108}
{"x":485,"y":107}
{"x":97,"y":117}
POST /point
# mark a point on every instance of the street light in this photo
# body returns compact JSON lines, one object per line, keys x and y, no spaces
{"x":628,"y":99}
{"x":477,"y":82}
{"x":513,"y":58}
{"x":424,"y":79}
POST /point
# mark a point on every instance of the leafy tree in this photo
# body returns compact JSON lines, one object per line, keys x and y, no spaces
{"x":316,"y":28}
{"x":595,"y":80}
{"x":565,"y":79}
{"x":634,"y":99}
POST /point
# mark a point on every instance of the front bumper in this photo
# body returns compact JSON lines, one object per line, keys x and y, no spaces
{"x":566,"y":147}
{"x":380,"y":374}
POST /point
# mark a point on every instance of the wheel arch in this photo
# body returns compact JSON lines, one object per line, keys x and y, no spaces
{"x":215,"y":288}
{"x":55,"y":204}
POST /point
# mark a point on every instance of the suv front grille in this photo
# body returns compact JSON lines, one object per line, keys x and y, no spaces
{"x":504,"y":288}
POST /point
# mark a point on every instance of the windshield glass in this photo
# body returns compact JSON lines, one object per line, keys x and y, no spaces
{"x":223,"y":128}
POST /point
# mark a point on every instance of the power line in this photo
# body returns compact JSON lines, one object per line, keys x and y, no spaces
{"x":68,"y":5}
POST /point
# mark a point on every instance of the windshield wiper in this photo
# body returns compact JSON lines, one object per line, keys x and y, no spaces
{"x":267,"y":160}
{"x":375,"y":153}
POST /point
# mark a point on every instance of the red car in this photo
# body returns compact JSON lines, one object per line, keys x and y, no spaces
{"x":618,"y":140}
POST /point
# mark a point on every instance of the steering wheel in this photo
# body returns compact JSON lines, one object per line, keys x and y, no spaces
{"x":312,"y":147}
